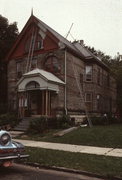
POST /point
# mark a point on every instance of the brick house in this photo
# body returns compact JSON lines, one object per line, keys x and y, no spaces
{"x":48,"y":75}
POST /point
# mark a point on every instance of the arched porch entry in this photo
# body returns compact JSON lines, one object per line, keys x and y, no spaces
{"x":35,"y":93}
{"x":35,"y":102}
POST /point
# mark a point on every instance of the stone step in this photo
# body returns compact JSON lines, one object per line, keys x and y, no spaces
{"x":23,"y":125}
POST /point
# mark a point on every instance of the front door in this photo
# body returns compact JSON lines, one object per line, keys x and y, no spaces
{"x":39,"y":102}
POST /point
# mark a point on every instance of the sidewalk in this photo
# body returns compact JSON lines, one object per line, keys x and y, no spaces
{"x":115,"y":152}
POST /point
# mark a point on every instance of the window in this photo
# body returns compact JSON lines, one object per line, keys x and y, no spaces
{"x":35,"y":44}
{"x":32,"y":85}
{"x":88,"y":97}
{"x":39,"y":44}
{"x":34,"y":63}
{"x":99,"y":102}
{"x":99,"y":77}
{"x":106,"y":80}
{"x":81,"y":80}
{"x":52,"y":64}
{"x":19,"y":69}
{"x":89,"y":73}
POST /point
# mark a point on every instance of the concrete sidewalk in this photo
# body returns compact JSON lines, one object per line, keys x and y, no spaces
{"x":115,"y":152}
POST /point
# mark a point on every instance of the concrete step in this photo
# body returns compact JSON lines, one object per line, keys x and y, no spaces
{"x":23,"y":125}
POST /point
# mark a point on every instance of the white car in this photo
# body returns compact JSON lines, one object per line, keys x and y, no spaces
{"x":9,"y":149}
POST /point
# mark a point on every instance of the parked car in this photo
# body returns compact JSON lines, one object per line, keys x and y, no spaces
{"x":9,"y":149}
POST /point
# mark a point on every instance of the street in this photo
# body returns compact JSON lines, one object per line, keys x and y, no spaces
{"x":22,"y":172}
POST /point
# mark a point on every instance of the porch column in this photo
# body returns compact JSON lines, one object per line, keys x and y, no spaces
{"x":43,"y":104}
{"x":46,"y":111}
{"x":49,"y":103}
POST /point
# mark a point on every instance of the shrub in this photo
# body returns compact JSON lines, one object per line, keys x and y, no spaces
{"x":8,"y":119}
{"x":64,"y":122}
{"x":38,"y":125}
{"x":43,"y":123}
{"x":104,"y":120}
{"x":99,"y":120}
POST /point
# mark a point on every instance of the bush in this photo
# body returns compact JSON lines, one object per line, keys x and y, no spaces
{"x":38,"y":125}
{"x":104,"y":120}
{"x":99,"y":120}
{"x":43,"y":123}
{"x":8,"y":119}
{"x":64,"y":122}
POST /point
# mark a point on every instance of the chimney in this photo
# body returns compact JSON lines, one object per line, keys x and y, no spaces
{"x":81,"y":42}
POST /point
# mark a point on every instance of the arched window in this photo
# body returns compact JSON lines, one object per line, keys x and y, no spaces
{"x":52,"y":64}
{"x":32,"y":85}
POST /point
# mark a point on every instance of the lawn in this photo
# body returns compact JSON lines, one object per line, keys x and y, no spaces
{"x":107,"y":166}
{"x":101,"y":136}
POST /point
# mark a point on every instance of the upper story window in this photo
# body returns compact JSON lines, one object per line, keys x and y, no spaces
{"x":19,"y":69}
{"x":99,"y":77}
{"x":88,"y":73}
{"x":81,"y":80}
{"x":34,"y":63}
{"x":106,"y":79}
{"x":52,"y":64}
{"x":33,"y":43}
{"x":39,"y":44}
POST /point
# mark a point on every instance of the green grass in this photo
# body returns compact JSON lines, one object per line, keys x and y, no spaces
{"x":107,"y":166}
{"x":101,"y":136}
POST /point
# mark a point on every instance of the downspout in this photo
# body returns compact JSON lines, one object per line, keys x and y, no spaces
{"x":65,"y":95}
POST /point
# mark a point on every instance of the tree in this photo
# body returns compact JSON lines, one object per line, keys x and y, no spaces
{"x":8,"y":34}
{"x":116,"y":67}
{"x":104,"y":58}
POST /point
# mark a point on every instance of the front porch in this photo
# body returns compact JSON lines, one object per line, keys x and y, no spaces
{"x":35,"y":103}
{"x":37,"y":91}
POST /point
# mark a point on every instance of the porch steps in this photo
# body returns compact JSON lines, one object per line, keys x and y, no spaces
{"x":23,"y":125}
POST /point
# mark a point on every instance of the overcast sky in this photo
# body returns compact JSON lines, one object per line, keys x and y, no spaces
{"x":97,"y":22}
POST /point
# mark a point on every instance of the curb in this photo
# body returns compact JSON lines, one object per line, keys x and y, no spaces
{"x":72,"y":171}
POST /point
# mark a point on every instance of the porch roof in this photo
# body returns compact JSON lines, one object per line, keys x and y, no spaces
{"x":47,"y":75}
{"x":46,"y":80}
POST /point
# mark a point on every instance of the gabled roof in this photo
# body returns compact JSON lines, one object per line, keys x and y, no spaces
{"x":77,"y":48}
{"x":46,"y":75}
{"x":45,"y":80}
{"x":88,"y":55}
{"x":63,"y":42}
{"x":58,"y":36}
